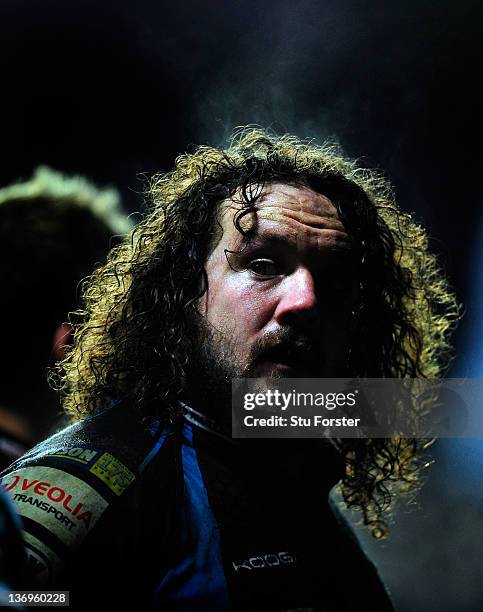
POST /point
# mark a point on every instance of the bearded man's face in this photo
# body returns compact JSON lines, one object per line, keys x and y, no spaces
{"x":279,"y":305}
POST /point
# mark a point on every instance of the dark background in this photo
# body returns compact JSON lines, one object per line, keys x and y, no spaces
{"x":115,"y":90}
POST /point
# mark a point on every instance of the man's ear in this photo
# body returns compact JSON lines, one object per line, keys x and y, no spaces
{"x":62,"y":338}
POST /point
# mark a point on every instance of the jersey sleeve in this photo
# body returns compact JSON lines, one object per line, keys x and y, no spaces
{"x":94,"y":500}
{"x":61,"y":490}
{"x":60,"y":498}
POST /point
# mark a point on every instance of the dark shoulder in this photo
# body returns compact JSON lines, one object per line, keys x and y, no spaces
{"x":359,"y":581}
{"x":64,"y":488}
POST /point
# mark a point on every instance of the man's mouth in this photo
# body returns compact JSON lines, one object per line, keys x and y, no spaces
{"x":288,"y":359}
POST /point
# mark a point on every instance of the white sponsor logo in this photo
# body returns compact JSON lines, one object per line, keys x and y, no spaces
{"x":264,"y":561}
{"x":59,"y":501}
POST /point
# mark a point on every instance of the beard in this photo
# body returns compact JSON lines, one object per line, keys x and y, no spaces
{"x":216,"y":361}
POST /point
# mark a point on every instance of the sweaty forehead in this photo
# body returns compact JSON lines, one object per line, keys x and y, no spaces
{"x":292,"y":211}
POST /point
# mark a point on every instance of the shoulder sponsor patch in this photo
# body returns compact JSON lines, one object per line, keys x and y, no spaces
{"x":78,"y":454}
{"x":62,"y":503}
{"x":113,"y":473}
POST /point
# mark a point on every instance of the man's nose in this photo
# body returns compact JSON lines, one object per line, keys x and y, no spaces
{"x":298,"y":298}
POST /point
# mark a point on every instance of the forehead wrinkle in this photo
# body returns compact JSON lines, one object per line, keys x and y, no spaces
{"x":291,"y":217}
{"x":302,"y":226}
{"x":282,"y":214}
{"x":293,"y":235}
{"x":331,"y":221}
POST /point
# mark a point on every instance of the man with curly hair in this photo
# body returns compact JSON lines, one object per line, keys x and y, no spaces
{"x":274,"y":257}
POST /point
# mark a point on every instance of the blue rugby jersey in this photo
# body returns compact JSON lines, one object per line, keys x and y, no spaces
{"x":180,"y":518}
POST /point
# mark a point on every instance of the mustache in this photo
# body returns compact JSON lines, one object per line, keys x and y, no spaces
{"x":287,"y":345}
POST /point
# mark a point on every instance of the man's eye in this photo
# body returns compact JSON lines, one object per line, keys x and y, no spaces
{"x":263,"y":267}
